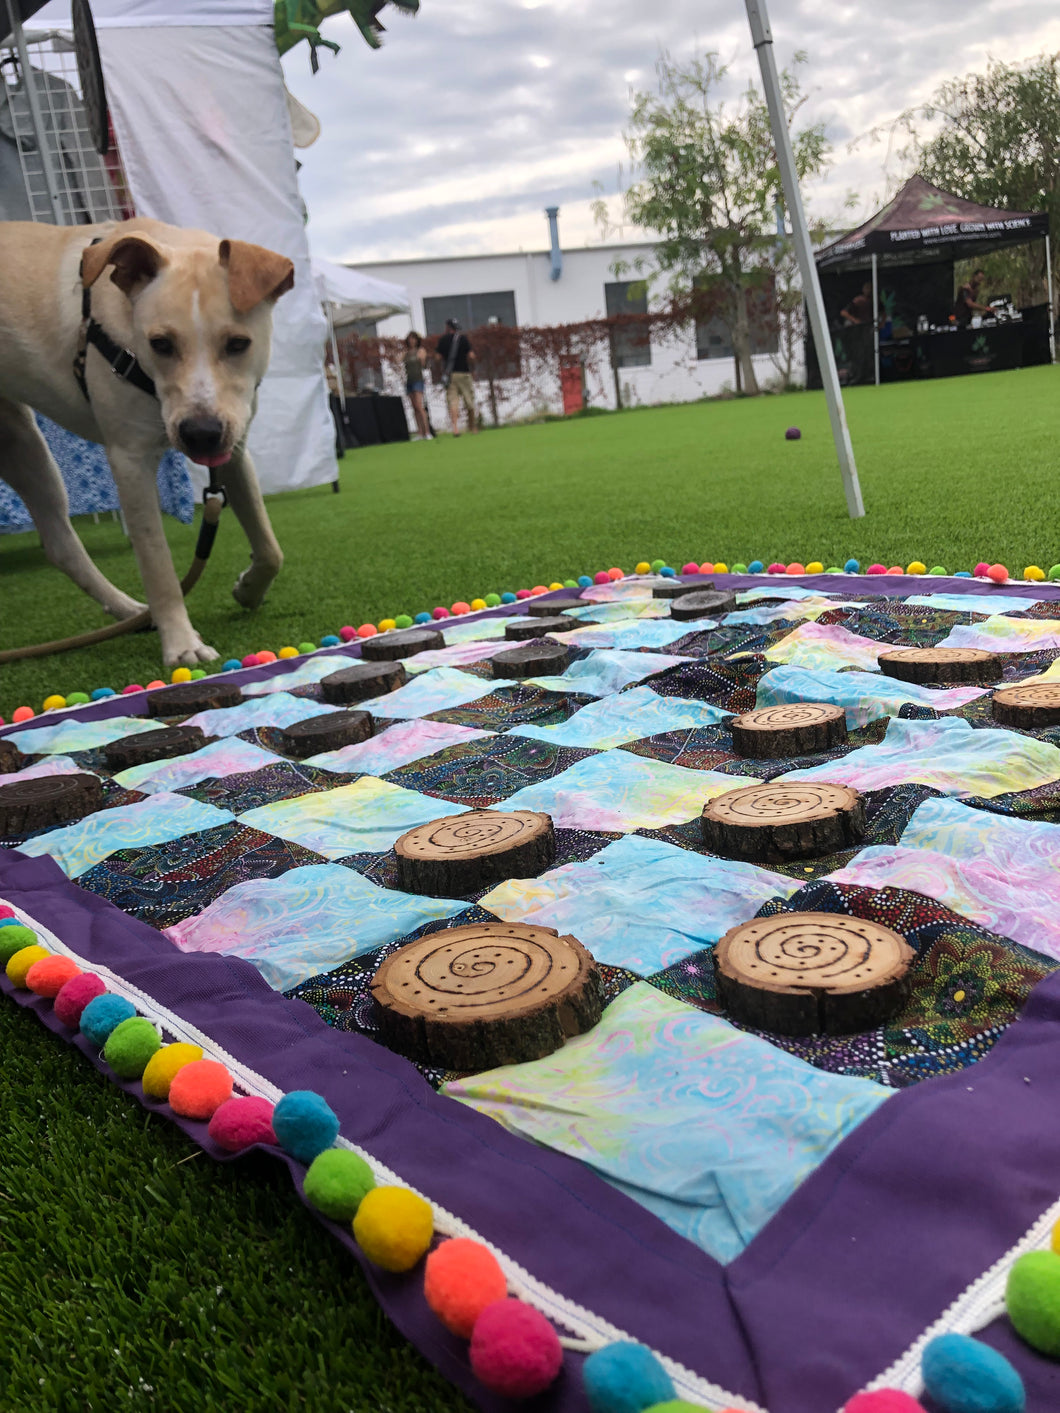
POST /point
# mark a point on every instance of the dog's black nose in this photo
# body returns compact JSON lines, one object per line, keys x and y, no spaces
{"x":201,"y":435}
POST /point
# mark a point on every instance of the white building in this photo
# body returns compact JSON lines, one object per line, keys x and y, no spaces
{"x":541,"y":288}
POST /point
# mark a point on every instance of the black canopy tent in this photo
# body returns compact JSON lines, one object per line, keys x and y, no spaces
{"x":918,"y":236}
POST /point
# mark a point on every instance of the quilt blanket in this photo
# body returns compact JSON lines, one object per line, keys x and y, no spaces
{"x":781,"y":1220}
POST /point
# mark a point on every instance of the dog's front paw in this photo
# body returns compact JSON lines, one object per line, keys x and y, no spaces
{"x":187,"y":651}
{"x":250,"y":588}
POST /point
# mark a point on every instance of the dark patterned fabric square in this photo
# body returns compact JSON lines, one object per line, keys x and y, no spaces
{"x":514,"y":706}
{"x":480,"y":773}
{"x":283,"y":781}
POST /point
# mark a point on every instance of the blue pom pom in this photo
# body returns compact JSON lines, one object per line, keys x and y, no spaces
{"x":330,"y":640}
{"x":10,"y":922}
{"x":422,"y":618}
{"x":625,"y":1378}
{"x":304,"y":1124}
{"x":101,"y":693}
{"x":231,"y":665}
{"x":584,"y":580}
{"x":962,"y":574}
{"x":510,"y":598}
{"x":852,"y":566}
{"x":963,"y":1375}
{"x":104,"y":1014}
{"x":755,"y":567}
{"x":667,"y":572}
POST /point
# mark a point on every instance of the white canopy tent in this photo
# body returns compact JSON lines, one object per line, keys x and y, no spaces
{"x":200,"y":113}
{"x":347,"y":296}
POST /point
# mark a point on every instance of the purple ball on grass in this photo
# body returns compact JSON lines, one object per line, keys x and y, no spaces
{"x":792,"y":434}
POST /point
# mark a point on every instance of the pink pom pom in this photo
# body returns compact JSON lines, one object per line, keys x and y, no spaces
{"x":243,"y":1121}
{"x":461,"y":607}
{"x":156,"y":683}
{"x":795,"y":568}
{"x":75,"y":995}
{"x":251,"y":660}
{"x":615,"y":574}
{"x":776,"y":569}
{"x":981,"y":570}
{"x":132,"y":687}
{"x":602,"y":577}
{"x":5,"y":911}
{"x":367,"y":630}
{"x":523,"y":594}
{"x":998,"y":573}
{"x":514,"y":1350}
{"x":876,"y":569}
{"x":705,"y":568}
{"x":347,"y":633}
{"x":266,"y":657}
{"x":690,"y":568}
{"x":884,"y":1400}
{"x":440,"y":613}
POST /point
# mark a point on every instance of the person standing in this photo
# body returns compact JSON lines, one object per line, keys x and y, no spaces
{"x":415,"y":381}
{"x":968,"y":300}
{"x":859,"y":310}
{"x":457,"y":359}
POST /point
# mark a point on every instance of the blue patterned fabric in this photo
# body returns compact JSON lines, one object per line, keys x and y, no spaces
{"x":90,"y":485}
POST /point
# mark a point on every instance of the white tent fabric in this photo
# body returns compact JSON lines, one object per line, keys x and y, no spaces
{"x":128,"y":13}
{"x":352,"y":295}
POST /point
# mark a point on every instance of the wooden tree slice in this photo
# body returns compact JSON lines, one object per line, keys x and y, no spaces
{"x":389,"y":647}
{"x":944,"y":665}
{"x":527,"y":628}
{"x":812,"y":973}
{"x":459,"y":853}
{"x":704,"y":604}
{"x":1031,"y":708}
{"x":362,"y":681}
{"x":476,"y":997}
{"x":207,"y":694}
{"x":677,"y":588}
{"x":26,"y":805}
{"x":791,"y":729}
{"x":328,"y":732}
{"x":11,"y":758}
{"x":783,"y":820}
{"x":162,"y":744}
{"x":552,"y":608}
{"x":538,"y":658}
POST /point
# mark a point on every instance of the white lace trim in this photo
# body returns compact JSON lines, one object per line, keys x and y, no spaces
{"x":589,"y":1331}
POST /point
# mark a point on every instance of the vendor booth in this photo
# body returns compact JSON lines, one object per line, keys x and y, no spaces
{"x":900,"y":265}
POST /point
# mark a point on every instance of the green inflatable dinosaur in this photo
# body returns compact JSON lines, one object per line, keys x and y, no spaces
{"x":300,"y":19}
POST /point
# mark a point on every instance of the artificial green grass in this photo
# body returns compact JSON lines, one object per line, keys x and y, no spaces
{"x":952,"y":472}
{"x":136,"y":1273}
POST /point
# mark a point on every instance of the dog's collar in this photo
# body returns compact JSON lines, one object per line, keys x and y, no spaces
{"x":122,"y":360}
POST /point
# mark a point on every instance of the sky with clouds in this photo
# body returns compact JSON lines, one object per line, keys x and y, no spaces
{"x":477,"y":114}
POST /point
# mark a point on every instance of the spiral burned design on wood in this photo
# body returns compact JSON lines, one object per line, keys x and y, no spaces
{"x":801,"y":973}
{"x":460,"y":853}
{"x":486,"y":994}
{"x":476,"y":832}
{"x":781,"y":821}
{"x":779,"y":802}
{"x":787,"y":714}
{"x":1031,"y":707}
{"x":789,"y":729}
{"x":941,"y":665}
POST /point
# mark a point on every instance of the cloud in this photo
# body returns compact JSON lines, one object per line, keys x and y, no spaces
{"x":479,"y":113}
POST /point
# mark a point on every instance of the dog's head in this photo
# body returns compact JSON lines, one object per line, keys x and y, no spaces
{"x":202,"y":327}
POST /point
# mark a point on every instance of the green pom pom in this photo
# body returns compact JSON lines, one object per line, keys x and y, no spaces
{"x":833,"y":570}
{"x":307,"y":647}
{"x":77,"y":698}
{"x":129,"y":1047}
{"x":492,"y":600}
{"x":336,"y":1183}
{"x":1033,"y":1300}
{"x":738,"y":569}
{"x":657,"y":564}
{"x":197,"y":673}
{"x":13,"y":939}
{"x":938,"y":569}
{"x":570,"y":584}
{"x":1054,"y":573}
{"x":676,"y":1405}
{"x":403,"y":620}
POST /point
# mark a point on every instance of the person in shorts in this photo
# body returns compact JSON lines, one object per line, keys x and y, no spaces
{"x":415,"y":381}
{"x":457,"y":359}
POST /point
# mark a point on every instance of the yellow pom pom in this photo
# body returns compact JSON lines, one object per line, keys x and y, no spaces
{"x":164,"y":1064}
{"x":393,"y":1227}
{"x":720,"y":568}
{"x":387,"y":625}
{"x":554,"y":586}
{"x":53,"y":703}
{"x":287,"y":652}
{"x":1056,"y":1239}
{"x":181,"y":674}
{"x":642,"y":568}
{"x":20,"y":963}
{"x":1033,"y":572}
{"x":814,"y":567}
{"x":477,"y":605}
{"x":916,"y":568}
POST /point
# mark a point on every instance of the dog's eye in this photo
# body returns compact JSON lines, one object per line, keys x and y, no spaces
{"x":163,"y":347}
{"x":236,"y":346}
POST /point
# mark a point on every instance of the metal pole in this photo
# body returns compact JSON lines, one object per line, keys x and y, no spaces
{"x":36,"y":117}
{"x":1049,"y":293}
{"x":336,"y":360}
{"x":876,"y":316}
{"x":762,"y":38}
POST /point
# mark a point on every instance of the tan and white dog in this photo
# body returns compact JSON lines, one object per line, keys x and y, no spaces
{"x":137,"y":335}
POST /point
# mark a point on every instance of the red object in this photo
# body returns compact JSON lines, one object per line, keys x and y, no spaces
{"x":602,"y":577}
{"x":48,"y":976}
{"x":884,"y":1400}
{"x":199,"y":1089}
{"x":460,"y":1279}
{"x":896,"y":569}
{"x":156,"y":683}
{"x":982,"y":569}
{"x":132,"y":687}
{"x":75,"y":995}
{"x":705,"y":568}
{"x":615,"y":574}
{"x":572,"y":385}
{"x":251,"y":660}
{"x":461,"y":607}
{"x":22,"y":714}
{"x":440,"y":613}
{"x":998,"y":573}
{"x":543,"y":588}
{"x":369,"y":630}
{"x":266,"y":657}
{"x":242,"y":1121}
{"x":795,"y":568}
{"x":347,"y":633}
{"x":691,"y":567}
{"x":773,"y":569}
{"x":514,"y":1350}
{"x":523,"y":594}
{"x":876,"y":569}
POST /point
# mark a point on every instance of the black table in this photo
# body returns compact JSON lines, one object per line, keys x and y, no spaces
{"x":371,"y":420}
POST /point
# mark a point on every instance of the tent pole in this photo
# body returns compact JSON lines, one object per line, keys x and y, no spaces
{"x":876,"y":315}
{"x":1049,"y":295}
{"x":762,"y":39}
{"x":335,"y":355}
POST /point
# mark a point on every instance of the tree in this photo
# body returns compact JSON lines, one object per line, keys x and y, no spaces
{"x":997,"y":142}
{"x":707,"y":179}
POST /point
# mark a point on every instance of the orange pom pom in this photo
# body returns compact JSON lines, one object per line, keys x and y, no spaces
{"x":460,"y":1279}
{"x":199,"y":1089}
{"x":48,"y":976}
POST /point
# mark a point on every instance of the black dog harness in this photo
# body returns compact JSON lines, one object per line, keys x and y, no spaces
{"x":122,"y":360}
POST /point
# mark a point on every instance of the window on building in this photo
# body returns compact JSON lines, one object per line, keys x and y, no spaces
{"x":630,"y":343}
{"x":713,"y":339}
{"x":491,"y":318}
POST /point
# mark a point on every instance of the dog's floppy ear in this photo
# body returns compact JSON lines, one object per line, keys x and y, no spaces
{"x":254,"y":274}
{"x":135,"y":259}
